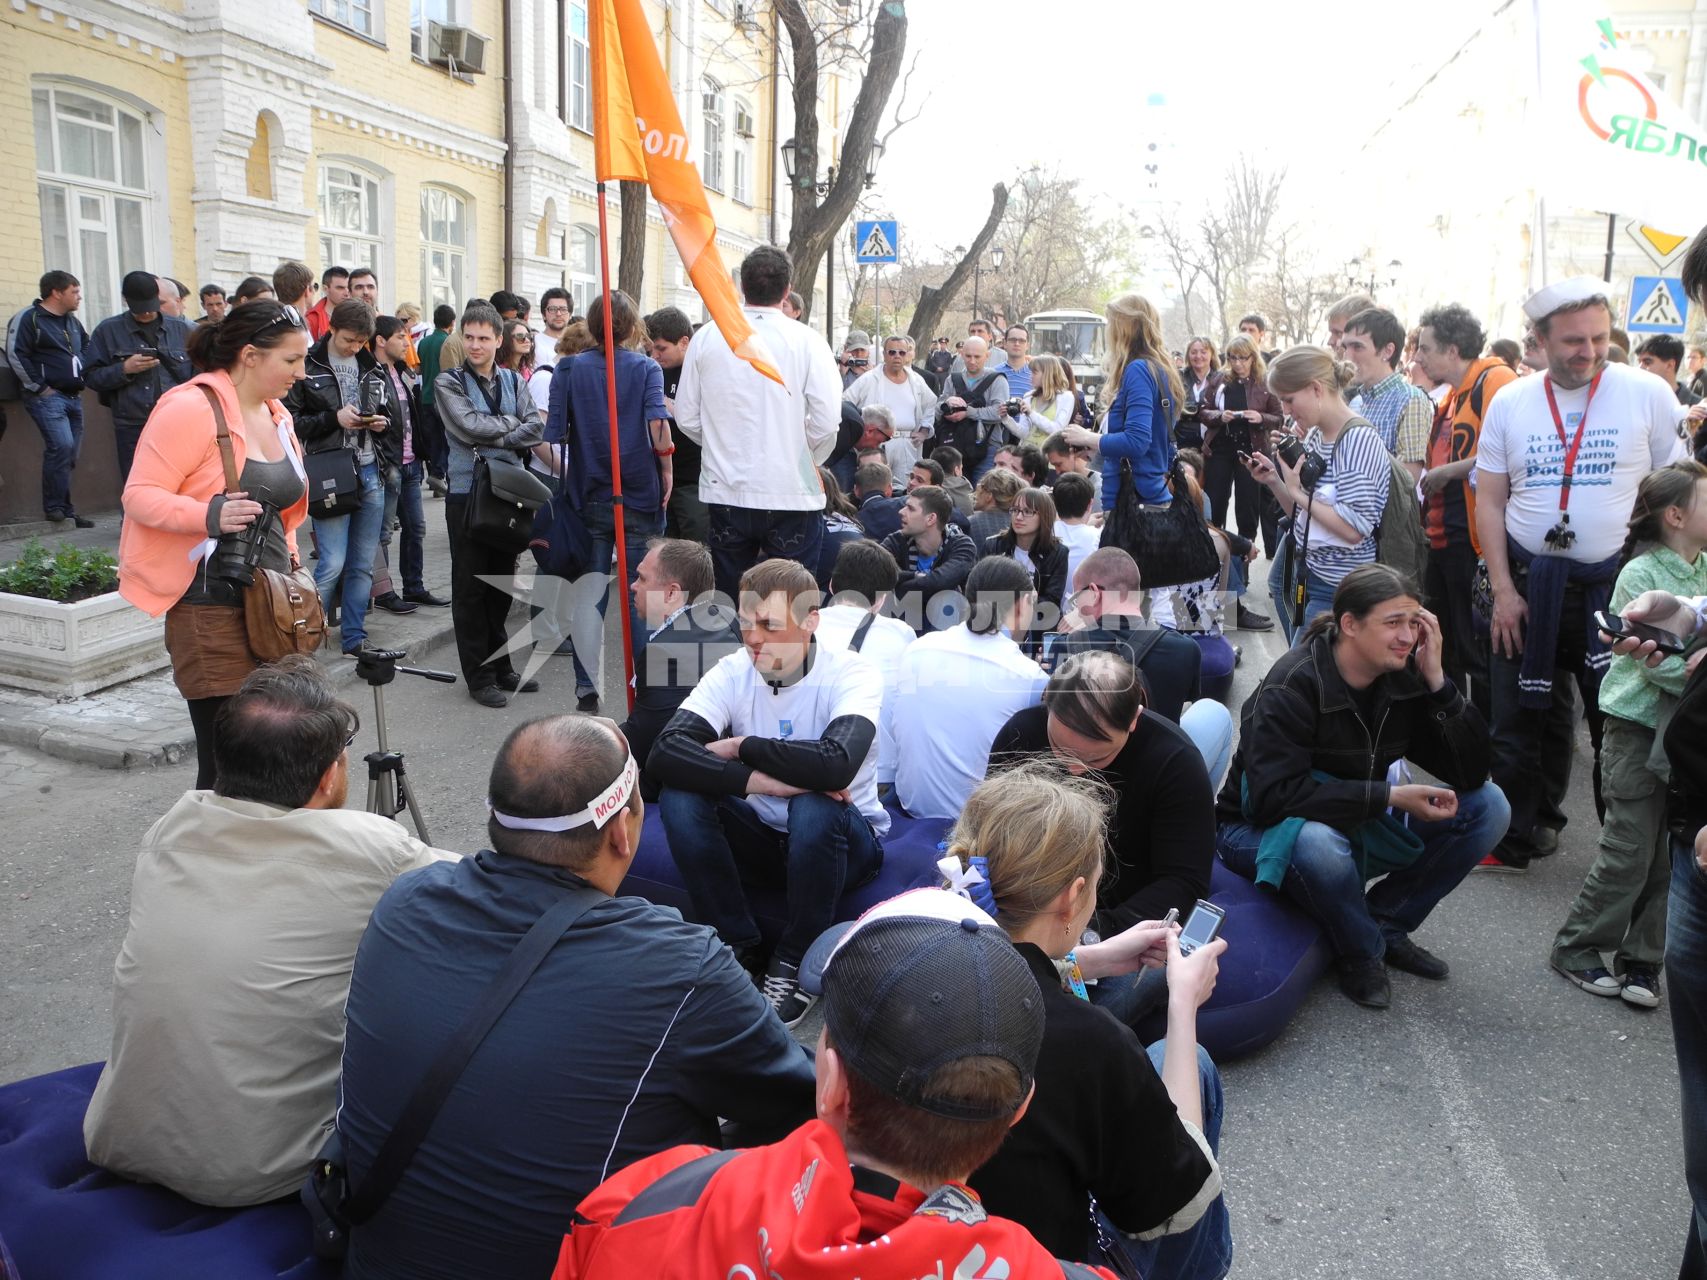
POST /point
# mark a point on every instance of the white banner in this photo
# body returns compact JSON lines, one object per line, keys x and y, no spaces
{"x":1612,"y":141}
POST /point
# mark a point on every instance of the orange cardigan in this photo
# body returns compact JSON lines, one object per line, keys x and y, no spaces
{"x":176,"y":474}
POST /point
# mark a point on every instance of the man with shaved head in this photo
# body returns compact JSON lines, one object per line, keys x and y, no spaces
{"x":970,"y":406}
{"x":635,"y":1033}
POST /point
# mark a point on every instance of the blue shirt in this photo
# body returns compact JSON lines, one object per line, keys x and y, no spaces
{"x":1139,"y":427}
{"x":579,"y":401}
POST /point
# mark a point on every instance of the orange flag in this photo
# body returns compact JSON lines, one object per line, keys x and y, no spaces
{"x":638,"y":135}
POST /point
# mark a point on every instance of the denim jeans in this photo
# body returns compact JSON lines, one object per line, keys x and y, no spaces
{"x":1204,"y":1251}
{"x":411,"y":554}
{"x":638,"y":528}
{"x":720,"y":843}
{"x":742,"y":536}
{"x":1279,"y":591}
{"x":344,"y":571}
{"x":1209,"y":725}
{"x":59,"y":418}
{"x":1686,"y":967}
{"x":125,"y":436}
{"x":1325,"y":882}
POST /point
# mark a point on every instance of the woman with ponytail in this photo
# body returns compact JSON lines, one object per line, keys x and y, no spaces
{"x":1113,"y":1163}
{"x":1621,"y":908}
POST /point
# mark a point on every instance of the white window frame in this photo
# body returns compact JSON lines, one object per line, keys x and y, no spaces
{"x":578,"y":67}
{"x":741,"y":157}
{"x":343,"y":246}
{"x":349,"y":15}
{"x":92,"y":205}
{"x":713,"y":106}
{"x":452,"y":284}
{"x":582,"y":274}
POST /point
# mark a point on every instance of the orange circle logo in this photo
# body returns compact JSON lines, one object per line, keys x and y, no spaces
{"x":1609,"y":73}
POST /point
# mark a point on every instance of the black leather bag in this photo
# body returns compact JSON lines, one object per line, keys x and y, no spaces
{"x":334,"y":483}
{"x":1171,"y":544}
{"x":502,"y":503}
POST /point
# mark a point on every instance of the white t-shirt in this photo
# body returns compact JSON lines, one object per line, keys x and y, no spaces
{"x":955,"y":692}
{"x":1081,"y":540}
{"x":898,"y":398}
{"x":1632,"y":429}
{"x":736,"y":702}
{"x":885,"y":642}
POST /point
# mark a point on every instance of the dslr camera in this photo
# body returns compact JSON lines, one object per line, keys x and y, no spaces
{"x":1014,"y":408}
{"x":237,"y":554}
{"x":1291,"y":449}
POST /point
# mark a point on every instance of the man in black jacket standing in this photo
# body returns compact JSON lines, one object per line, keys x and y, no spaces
{"x":1304,"y":805}
{"x":44,"y":346}
{"x":133,"y":359}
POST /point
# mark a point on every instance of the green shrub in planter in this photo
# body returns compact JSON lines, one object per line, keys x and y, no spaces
{"x":66,"y":575}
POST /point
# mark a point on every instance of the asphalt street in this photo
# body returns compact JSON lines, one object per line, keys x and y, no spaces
{"x":1498,"y":1124}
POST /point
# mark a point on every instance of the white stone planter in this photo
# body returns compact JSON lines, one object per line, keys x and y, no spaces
{"x":74,"y":649}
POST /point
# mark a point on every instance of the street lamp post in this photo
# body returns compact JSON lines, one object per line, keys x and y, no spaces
{"x":805,"y":180}
{"x":997,"y":254}
{"x":1354,"y":277}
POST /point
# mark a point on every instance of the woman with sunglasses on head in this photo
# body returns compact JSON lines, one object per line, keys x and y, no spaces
{"x":1114,"y":1163}
{"x":177,"y":508}
{"x":516,"y":350}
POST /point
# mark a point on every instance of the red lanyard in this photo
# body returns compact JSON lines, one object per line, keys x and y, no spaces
{"x":1559,"y":426}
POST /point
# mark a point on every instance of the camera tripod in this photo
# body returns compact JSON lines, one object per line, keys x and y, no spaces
{"x":388,"y":789}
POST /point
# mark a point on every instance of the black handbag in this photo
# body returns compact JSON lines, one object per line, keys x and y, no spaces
{"x":1171,"y":544}
{"x":334,"y":483}
{"x":333,"y":1205}
{"x":502,"y":503}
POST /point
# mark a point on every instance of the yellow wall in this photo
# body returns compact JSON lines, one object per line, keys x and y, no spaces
{"x":31,"y":44}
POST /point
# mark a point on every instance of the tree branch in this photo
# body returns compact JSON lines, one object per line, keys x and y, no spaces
{"x":935,"y":300}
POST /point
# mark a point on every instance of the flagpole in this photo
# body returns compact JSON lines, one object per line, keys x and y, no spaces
{"x":615,"y":455}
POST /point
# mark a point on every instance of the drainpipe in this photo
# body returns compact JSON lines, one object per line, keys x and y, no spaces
{"x":776,"y":76}
{"x":509,"y":150}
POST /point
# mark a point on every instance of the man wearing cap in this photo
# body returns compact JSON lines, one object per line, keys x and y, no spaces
{"x":133,"y":359}
{"x":1557,"y":468}
{"x":855,"y":360}
{"x":635,"y":1033}
{"x":769,"y":772}
{"x":927,"y":1057}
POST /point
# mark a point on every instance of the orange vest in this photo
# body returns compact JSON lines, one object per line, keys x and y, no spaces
{"x":1456,"y":434}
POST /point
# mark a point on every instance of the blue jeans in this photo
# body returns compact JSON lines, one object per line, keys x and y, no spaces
{"x":1325,"y":882}
{"x":1686,"y":967}
{"x":1204,"y":1251}
{"x":411,"y":555}
{"x":742,"y":536}
{"x":720,"y":842}
{"x":1279,"y":593}
{"x":59,"y":418}
{"x":344,"y":572}
{"x":1209,"y":725}
{"x":638,"y":528}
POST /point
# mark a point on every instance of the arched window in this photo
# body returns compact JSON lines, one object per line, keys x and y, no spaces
{"x":711,"y":106}
{"x":444,"y":246}
{"x":349,"y":217}
{"x":583,"y":266}
{"x":92,"y":182}
{"x":259,"y":171}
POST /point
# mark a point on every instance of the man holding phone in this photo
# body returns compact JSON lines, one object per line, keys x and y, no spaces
{"x":133,"y":359}
{"x":1306,"y":805}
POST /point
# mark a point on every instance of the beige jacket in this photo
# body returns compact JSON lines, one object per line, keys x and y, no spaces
{"x":229,"y":991}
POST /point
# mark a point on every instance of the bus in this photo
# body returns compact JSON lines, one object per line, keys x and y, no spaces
{"x":1077,"y":337}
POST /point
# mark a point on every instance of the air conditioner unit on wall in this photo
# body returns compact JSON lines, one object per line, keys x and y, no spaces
{"x":459,"y":48}
{"x":745,"y":17}
{"x":744,"y":127}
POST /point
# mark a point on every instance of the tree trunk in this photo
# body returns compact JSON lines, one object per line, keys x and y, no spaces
{"x":631,"y":266}
{"x":814,"y":224}
{"x":935,"y":300}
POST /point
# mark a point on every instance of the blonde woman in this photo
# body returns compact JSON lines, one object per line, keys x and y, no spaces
{"x":1147,"y":399}
{"x":1198,"y":379}
{"x":1116,"y":1136}
{"x":1049,"y":407}
{"x":992,"y":504}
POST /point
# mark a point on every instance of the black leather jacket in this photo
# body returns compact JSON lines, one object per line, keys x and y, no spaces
{"x":315,"y":400}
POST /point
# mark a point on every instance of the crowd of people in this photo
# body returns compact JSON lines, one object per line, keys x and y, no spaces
{"x":860,"y":594}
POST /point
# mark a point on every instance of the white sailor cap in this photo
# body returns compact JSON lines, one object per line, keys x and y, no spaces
{"x":1545,"y":301}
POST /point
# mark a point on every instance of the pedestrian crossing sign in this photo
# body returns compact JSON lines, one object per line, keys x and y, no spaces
{"x":876,"y":241}
{"x":1658,"y":304}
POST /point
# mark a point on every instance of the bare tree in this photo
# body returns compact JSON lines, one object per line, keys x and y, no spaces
{"x":815,"y":220}
{"x":1229,"y":246}
{"x":934,"y":300}
{"x":1058,"y":253}
{"x":1181,"y":252}
{"x":1294,"y":295}
{"x":631,"y":259}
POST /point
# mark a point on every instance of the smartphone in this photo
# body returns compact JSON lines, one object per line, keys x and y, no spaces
{"x":1245,"y":458}
{"x":1620,"y":628}
{"x":1201,"y":928}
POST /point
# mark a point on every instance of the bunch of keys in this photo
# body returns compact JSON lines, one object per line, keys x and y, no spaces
{"x":1561,"y":536}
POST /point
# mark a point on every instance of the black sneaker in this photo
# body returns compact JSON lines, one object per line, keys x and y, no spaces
{"x":1365,"y":981}
{"x":587,"y":704}
{"x":83,"y":522}
{"x":782,"y":988}
{"x":391,"y":602}
{"x":1642,"y":986}
{"x":1250,"y":620}
{"x":1404,"y":954}
{"x":490,"y":696}
{"x":1506,"y":863}
{"x":426,"y":598}
{"x":1596,"y":981}
{"x":511,"y":682}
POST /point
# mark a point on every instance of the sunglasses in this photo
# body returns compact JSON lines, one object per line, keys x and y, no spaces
{"x":288,"y":315}
{"x":351,"y":740}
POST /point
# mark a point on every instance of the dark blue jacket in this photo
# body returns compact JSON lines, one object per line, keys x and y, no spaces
{"x":880,"y":516}
{"x":130,"y":396}
{"x":1139,"y":428}
{"x":580,"y":410}
{"x":667,"y":670}
{"x":46,"y":350}
{"x":636,"y":1033}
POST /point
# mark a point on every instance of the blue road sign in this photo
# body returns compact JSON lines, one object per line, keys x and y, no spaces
{"x":1658,"y":304}
{"x":876,"y":241}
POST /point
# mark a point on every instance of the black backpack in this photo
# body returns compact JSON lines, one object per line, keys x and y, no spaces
{"x":969,"y":436}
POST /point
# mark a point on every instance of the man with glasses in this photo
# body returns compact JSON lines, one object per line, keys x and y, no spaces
{"x":1016,"y":342}
{"x":223,"y":1076}
{"x":900,"y":389}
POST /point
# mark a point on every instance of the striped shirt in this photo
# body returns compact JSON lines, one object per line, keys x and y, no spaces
{"x":1402,"y":415}
{"x":1354,"y":483}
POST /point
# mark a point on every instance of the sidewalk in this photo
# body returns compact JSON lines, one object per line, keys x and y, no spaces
{"x":144,"y":722}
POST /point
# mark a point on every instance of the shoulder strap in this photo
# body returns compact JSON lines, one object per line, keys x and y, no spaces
{"x":418,"y":1115}
{"x":861,"y":632}
{"x":1476,"y":393}
{"x":222,"y":432}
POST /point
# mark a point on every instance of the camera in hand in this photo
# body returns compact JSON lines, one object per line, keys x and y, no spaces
{"x":1310,"y":466}
{"x":1015,"y":408}
{"x":1191,"y":408}
{"x":237,"y":554}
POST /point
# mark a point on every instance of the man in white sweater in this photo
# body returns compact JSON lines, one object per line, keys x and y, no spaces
{"x":762,"y":441}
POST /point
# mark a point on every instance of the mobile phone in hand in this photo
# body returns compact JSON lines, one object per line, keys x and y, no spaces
{"x":1619,"y":628}
{"x":1201,"y":928}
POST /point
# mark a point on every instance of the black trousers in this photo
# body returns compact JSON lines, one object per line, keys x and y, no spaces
{"x":1447,"y":577}
{"x":478,"y":612}
{"x":203,"y":713}
{"x":1226,"y":480}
